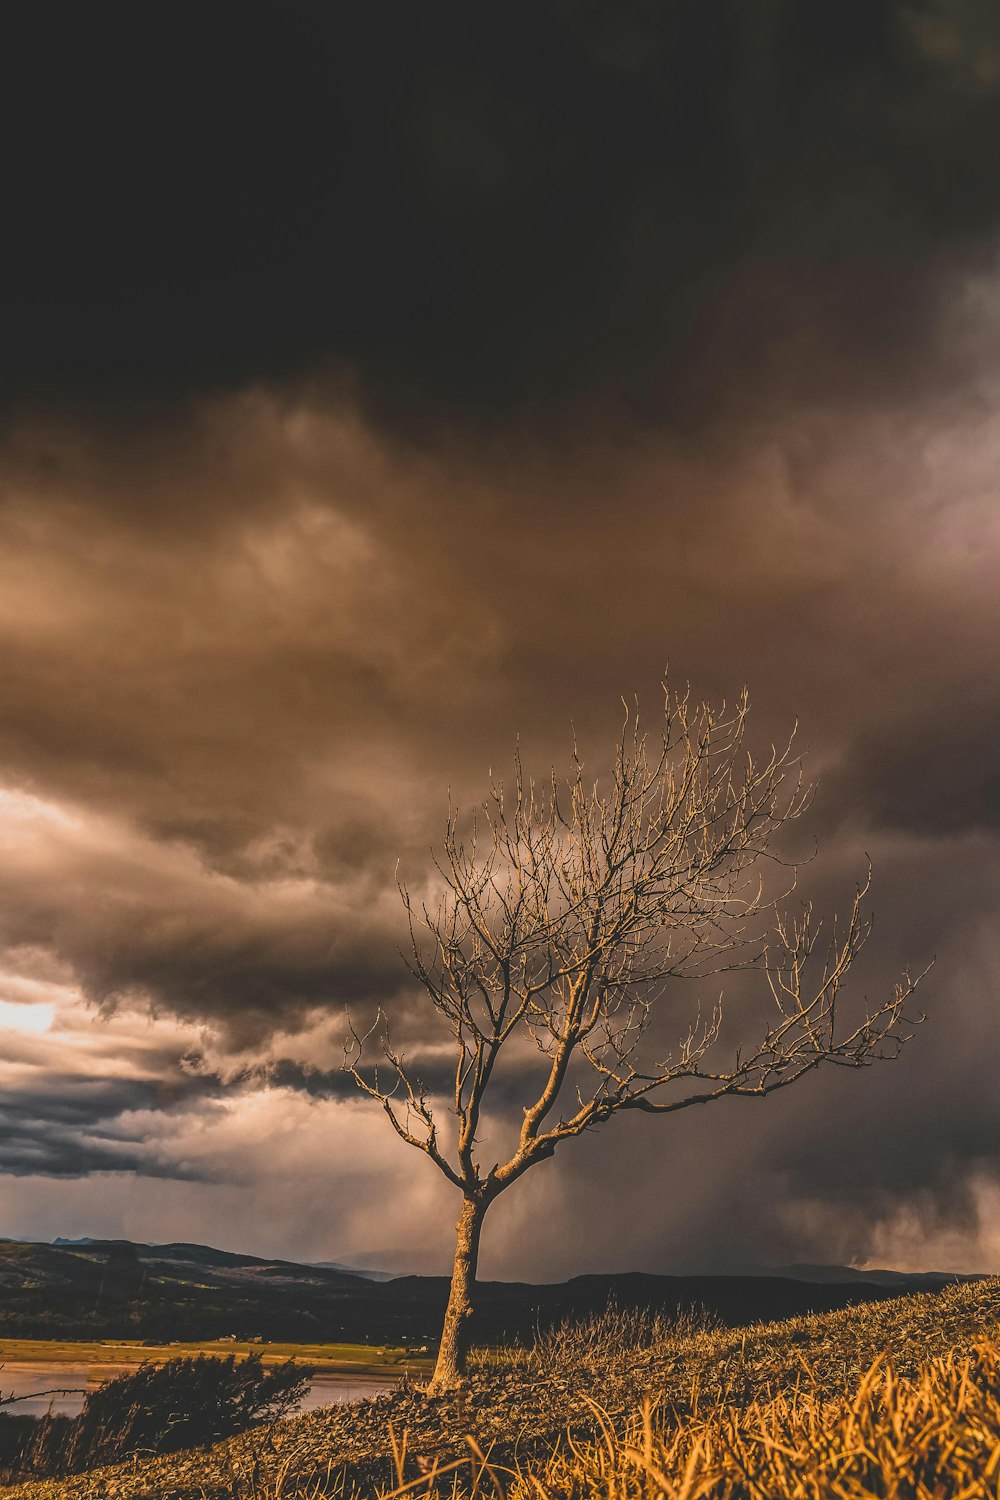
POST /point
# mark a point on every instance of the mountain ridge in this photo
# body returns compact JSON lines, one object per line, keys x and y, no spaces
{"x":90,"y":1288}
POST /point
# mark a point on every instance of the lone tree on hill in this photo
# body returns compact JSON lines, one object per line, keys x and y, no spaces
{"x":566,"y":913}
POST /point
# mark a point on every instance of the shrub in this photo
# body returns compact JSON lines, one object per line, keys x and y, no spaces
{"x":184,"y":1403}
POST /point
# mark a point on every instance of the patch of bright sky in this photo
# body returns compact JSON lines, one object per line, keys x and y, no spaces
{"x":19,"y":1017}
{"x":24,"y":808}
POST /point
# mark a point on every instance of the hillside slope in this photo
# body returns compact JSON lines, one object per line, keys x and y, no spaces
{"x":525,"y":1400}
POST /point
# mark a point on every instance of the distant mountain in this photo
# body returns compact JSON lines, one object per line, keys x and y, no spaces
{"x":333,"y":1265}
{"x":116,"y":1288}
{"x":182,"y":1251}
{"x":94,"y":1288}
{"x":904,"y":1280}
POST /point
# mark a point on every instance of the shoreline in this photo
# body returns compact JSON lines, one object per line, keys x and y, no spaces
{"x":38,"y":1385}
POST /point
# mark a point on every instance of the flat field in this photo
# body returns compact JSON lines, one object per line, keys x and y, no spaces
{"x":356,"y":1358}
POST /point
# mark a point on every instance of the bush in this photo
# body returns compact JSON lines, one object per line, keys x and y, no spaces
{"x":185,"y":1403}
{"x":17,"y":1438}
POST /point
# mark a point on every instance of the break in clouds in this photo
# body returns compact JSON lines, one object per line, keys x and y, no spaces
{"x":585,"y":345}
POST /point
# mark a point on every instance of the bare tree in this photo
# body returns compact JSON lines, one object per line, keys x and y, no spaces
{"x":566,"y":914}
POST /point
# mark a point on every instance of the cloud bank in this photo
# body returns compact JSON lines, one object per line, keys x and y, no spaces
{"x":435,"y":380}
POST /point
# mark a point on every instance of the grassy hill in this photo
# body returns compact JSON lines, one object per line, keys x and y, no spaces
{"x":115,"y":1288}
{"x":894,"y":1398}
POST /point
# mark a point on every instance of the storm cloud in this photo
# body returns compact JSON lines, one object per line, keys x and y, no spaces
{"x":484,"y":216}
{"x":384,"y":384}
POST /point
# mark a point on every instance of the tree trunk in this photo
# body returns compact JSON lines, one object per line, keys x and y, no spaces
{"x":450,"y":1370}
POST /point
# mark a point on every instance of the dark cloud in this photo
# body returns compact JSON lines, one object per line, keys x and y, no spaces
{"x":58,"y":1121}
{"x":931,"y":766}
{"x":482,"y":214}
{"x":253,"y":957}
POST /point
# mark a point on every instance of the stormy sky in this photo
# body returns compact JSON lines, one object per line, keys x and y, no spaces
{"x":382,"y":385}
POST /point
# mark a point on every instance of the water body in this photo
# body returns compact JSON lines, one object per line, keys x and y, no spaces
{"x":60,"y":1388}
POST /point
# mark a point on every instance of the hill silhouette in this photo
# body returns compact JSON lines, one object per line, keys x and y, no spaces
{"x":119,"y":1288}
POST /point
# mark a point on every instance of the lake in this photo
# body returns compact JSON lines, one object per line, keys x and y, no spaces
{"x":329,"y":1388}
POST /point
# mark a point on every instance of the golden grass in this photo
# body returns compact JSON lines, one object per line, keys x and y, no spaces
{"x":935,"y":1436}
{"x":932,"y":1437}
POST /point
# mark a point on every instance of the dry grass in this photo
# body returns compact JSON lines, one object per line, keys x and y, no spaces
{"x":935,"y":1436}
{"x":693,"y":1357}
{"x":899,"y":1399}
